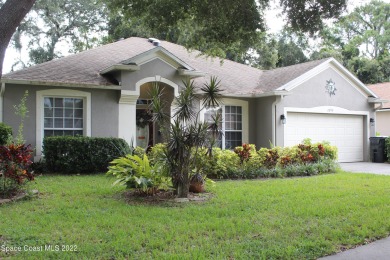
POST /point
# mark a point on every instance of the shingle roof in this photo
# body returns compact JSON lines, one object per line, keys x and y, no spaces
{"x":84,"y":67}
{"x":273,"y":79}
{"x":383,"y":91}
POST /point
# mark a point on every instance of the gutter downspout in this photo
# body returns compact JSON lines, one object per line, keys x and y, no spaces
{"x":2,"y":90}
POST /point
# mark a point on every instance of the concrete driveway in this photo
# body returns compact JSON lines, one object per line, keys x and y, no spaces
{"x":367,"y":167}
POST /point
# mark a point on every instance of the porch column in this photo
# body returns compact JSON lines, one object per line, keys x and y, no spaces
{"x":127,"y":116}
{"x":173,"y":109}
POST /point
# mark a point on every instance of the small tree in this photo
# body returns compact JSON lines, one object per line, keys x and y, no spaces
{"x":183,"y":131}
{"x":22,"y":111}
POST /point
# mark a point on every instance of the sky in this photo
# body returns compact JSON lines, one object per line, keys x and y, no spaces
{"x":273,"y":17}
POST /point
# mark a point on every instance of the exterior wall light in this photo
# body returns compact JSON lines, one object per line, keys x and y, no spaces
{"x":283,"y":119}
{"x":372,"y":121}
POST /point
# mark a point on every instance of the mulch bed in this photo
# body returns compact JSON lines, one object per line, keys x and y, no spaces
{"x":16,"y":197}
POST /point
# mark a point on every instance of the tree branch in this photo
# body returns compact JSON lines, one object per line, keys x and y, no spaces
{"x":11,"y":14}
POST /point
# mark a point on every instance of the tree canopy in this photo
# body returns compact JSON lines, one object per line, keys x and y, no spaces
{"x":218,"y":27}
{"x":361,"y":40}
{"x":79,"y":23}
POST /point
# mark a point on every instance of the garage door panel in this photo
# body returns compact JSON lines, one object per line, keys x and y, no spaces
{"x":344,"y":131}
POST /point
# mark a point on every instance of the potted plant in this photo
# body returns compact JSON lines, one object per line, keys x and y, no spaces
{"x":197,"y":183}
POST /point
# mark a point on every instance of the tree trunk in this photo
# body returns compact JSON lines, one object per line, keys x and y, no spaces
{"x":183,"y":187}
{"x":11,"y":14}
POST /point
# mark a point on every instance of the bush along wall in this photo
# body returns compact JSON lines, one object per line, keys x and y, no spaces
{"x":5,"y":134}
{"x":245,"y":162}
{"x":387,"y":148}
{"x":65,"y":154}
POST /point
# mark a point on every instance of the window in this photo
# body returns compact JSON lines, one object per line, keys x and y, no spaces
{"x":61,"y":112}
{"x":63,"y":116}
{"x":232,"y":125}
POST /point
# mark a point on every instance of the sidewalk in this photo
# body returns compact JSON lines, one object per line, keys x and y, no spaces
{"x":377,"y":250}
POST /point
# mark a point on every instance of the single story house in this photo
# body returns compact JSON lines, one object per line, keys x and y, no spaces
{"x":102,"y":92}
{"x":382,"y":121}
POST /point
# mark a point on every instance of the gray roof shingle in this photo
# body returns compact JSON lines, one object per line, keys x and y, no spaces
{"x":84,"y":67}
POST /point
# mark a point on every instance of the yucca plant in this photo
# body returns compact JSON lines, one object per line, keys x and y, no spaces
{"x":185,"y":132}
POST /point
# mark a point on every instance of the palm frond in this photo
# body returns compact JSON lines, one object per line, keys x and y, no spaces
{"x":212,"y":93}
{"x":185,"y":103}
{"x":215,"y":125}
{"x":157,"y":105}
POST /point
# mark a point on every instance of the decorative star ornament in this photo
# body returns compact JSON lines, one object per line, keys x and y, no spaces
{"x":330,"y":87}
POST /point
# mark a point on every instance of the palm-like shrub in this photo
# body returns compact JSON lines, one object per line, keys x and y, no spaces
{"x":183,"y":131}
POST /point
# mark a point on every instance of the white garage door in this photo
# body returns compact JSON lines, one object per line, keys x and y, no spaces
{"x":343,"y":131}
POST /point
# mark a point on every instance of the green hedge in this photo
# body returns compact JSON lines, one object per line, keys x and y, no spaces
{"x":65,"y":154}
{"x":387,"y":149}
{"x":5,"y":133}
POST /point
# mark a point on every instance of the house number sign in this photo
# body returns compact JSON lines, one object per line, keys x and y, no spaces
{"x":330,"y":87}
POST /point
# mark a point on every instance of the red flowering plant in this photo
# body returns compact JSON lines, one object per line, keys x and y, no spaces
{"x":15,"y":170}
{"x":244,"y":152}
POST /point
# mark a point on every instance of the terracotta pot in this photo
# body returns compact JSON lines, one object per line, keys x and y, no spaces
{"x":196,"y":187}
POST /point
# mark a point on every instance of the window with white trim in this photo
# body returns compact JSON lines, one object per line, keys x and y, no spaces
{"x":63,"y":116}
{"x":231,"y":125}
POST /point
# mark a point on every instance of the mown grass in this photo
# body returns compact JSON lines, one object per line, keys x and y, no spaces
{"x":298,"y":218}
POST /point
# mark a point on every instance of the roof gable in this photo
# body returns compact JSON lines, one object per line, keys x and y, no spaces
{"x":158,"y":53}
{"x":325,"y":64}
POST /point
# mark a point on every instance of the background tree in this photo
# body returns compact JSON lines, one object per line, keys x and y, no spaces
{"x":12,"y":13}
{"x":290,"y":49}
{"x":309,"y":15}
{"x":262,"y":54}
{"x":224,"y":28}
{"x":362,"y":40}
{"x":79,"y":23}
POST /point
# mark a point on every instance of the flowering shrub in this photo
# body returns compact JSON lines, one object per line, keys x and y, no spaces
{"x":244,"y":152}
{"x":246,"y":162}
{"x":299,"y":160}
{"x":15,"y":170}
{"x":271,"y":158}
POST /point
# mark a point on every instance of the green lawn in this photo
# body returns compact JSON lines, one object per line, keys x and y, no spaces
{"x":299,"y":218}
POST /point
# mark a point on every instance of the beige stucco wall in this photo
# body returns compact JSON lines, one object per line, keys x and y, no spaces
{"x":104,"y":114}
{"x":312,"y":93}
{"x":261,"y":121}
{"x":153,"y":68}
{"x":382,"y":122}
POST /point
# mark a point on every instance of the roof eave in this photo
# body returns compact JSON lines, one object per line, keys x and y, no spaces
{"x":377,"y":100}
{"x":58,"y":84}
{"x":258,"y":95}
{"x":191,"y":73}
{"x":120,"y":67}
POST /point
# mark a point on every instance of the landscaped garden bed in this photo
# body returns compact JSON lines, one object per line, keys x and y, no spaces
{"x":291,"y":218}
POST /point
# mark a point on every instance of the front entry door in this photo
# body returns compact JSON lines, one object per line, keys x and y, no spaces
{"x":144,"y":135}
